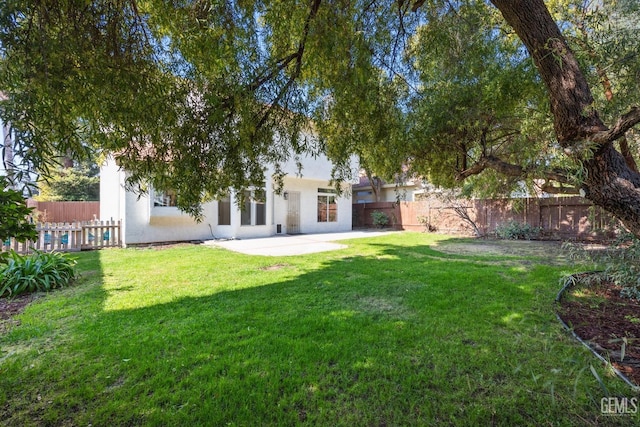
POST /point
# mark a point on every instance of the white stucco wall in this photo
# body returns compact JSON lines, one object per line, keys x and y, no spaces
{"x":309,"y":207}
{"x":111,"y":191}
{"x":317,"y":168}
{"x":143,"y":223}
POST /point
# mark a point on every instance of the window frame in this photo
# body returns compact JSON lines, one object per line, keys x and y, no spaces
{"x":254,"y":208}
{"x":157,"y":195}
{"x":225,"y":203}
{"x":327,"y":201}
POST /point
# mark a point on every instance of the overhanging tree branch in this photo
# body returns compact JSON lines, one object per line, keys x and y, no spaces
{"x":623,"y":124}
{"x":516,"y":171}
{"x":270,"y":73}
{"x":315,"y":6}
{"x":492,"y":162}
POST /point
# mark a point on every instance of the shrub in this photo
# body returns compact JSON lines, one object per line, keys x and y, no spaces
{"x":621,"y":263}
{"x":380,"y":219}
{"x":40,"y":271}
{"x":514,"y":230}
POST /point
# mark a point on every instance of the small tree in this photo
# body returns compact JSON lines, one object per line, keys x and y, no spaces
{"x":15,"y":216}
{"x":458,"y":202}
{"x":70,"y":184}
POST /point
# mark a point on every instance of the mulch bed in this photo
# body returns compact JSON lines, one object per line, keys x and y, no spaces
{"x":10,"y":307}
{"x":600,"y":317}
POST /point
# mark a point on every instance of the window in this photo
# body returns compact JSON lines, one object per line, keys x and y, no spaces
{"x":327,"y":206}
{"x":167,"y":198}
{"x":260,"y":201}
{"x":364,"y":196}
{"x":254,"y":210}
{"x":245,"y":214}
{"x":224,"y":211}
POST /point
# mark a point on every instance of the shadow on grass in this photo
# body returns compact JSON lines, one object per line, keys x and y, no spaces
{"x":396,"y":335}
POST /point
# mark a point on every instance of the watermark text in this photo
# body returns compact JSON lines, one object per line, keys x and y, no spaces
{"x":619,"y":406}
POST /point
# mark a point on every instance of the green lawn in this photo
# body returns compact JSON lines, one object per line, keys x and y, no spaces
{"x":388,"y":332}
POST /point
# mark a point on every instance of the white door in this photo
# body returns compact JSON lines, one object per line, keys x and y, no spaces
{"x":293,"y":213}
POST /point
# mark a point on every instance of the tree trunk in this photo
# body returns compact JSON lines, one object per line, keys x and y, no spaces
{"x":609,"y":181}
{"x":7,"y":155}
{"x":375,"y":185}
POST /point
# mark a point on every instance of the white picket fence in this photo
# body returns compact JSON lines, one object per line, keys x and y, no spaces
{"x":69,"y":237}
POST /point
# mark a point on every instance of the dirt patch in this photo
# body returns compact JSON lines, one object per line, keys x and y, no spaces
{"x":9,"y":308}
{"x":545,"y":251}
{"x":160,"y":246}
{"x":273,"y":267}
{"x":549,"y":251}
{"x":607,"y":322}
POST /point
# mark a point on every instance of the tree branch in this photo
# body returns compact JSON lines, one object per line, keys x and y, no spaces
{"x":315,"y":6}
{"x":625,"y":150}
{"x":549,"y":188}
{"x":516,"y":171}
{"x":491,"y":162}
{"x":624,"y":123}
{"x":281,"y":64}
{"x":585,"y":43}
{"x":557,"y":176}
{"x":417,"y":5}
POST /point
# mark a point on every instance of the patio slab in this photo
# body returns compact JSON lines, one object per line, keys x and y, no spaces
{"x":288,"y":245}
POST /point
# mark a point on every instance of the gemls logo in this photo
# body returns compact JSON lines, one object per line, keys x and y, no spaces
{"x":619,"y":406}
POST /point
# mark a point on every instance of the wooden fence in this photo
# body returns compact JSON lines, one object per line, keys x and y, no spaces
{"x":558,"y":217}
{"x":70,"y":237}
{"x":65,"y":211}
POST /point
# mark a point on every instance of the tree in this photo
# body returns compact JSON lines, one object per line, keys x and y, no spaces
{"x":14,"y":213}
{"x":609,"y":181}
{"x":70,"y":184}
{"x":200,"y":95}
{"x":71,"y":181}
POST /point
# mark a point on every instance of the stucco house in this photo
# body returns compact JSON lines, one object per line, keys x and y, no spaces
{"x":308,"y":204}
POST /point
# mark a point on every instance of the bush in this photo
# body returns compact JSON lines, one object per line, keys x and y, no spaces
{"x":40,"y":271}
{"x":380,"y":219}
{"x":514,"y":230}
{"x":620,"y":261}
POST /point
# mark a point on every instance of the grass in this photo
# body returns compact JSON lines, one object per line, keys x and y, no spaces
{"x":389,"y":331}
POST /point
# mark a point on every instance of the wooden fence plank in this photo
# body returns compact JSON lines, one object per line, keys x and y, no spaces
{"x":66,"y":211}
{"x":559,"y":217}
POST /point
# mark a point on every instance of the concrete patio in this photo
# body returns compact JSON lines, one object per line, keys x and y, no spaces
{"x":287,"y":245}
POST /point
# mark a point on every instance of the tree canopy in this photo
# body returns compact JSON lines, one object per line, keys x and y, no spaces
{"x":199,"y":95}
{"x":79,"y":183}
{"x":15,"y":216}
